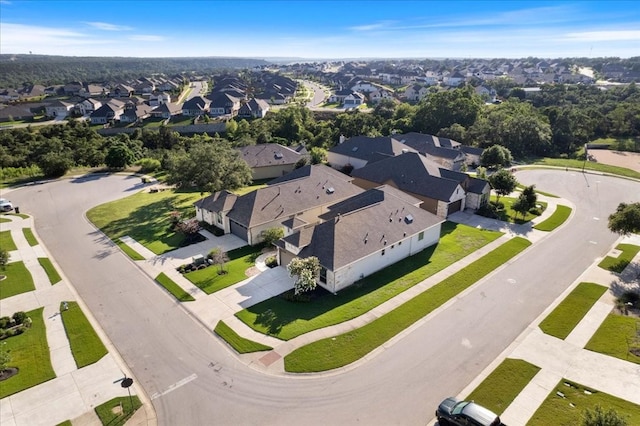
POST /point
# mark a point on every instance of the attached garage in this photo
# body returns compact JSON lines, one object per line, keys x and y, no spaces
{"x":239,"y":230}
{"x":456,"y":206}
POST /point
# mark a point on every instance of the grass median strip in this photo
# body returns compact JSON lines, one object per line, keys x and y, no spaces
{"x":134,"y":255}
{"x":28,"y":235}
{"x":86,"y":346}
{"x":18,"y":280}
{"x":6,"y":241}
{"x":567,"y":403}
{"x":338,"y":351}
{"x":589,"y":165}
{"x":52,"y":273}
{"x":618,"y":264}
{"x":117,"y":411}
{"x":30,"y":353}
{"x":617,"y":337}
{"x":237,"y":342}
{"x":503,"y":385}
{"x":173,"y":288}
{"x":285,"y":319}
{"x":564,"y":318}
{"x":557,"y":218}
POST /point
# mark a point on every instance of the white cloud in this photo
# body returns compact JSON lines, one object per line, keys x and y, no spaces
{"x":382,"y":25}
{"x":105,"y":26}
{"x":605,"y":35}
{"x":6,"y":2}
{"x":147,"y":37}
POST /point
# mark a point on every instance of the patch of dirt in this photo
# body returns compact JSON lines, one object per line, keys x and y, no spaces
{"x":629,"y":160}
{"x":252,"y":271}
{"x":8,"y":372}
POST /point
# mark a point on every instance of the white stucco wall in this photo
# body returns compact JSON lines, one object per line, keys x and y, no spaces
{"x":338,"y":161}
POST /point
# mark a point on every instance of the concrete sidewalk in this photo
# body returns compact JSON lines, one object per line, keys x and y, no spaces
{"x":73,"y":393}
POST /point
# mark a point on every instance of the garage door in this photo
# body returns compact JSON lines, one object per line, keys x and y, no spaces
{"x":239,"y":230}
{"x":454,"y":207}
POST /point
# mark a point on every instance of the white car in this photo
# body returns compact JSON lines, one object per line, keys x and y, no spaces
{"x":5,"y":205}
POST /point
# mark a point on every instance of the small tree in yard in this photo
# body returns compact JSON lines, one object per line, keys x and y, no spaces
{"x":530,"y":194}
{"x":271,"y":235}
{"x":521,"y":205}
{"x":4,"y":258}
{"x":503,"y":183}
{"x":599,"y":417}
{"x":189,"y":228}
{"x":305,"y":270}
{"x":219,"y":257}
{"x":626,"y":219}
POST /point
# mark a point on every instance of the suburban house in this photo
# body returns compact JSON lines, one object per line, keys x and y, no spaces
{"x":58,"y":109}
{"x":379,"y":94}
{"x":358,"y":151}
{"x":135,"y":113}
{"x":166,"y":110}
{"x":300,"y":196}
{"x":122,"y":91}
{"x":255,"y":108}
{"x":222,"y":103}
{"x":271,"y":160}
{"x":455,"y":79}
{"x":443,"y":151}
{"x":157,"y":99}
{"x":416,"y":92}
{"x":472,"y":155}
{"x":89,"y":90}
{"x":360,"y":235}
{"x":341,"y":97}
{"x":353,"y":100}
{"x":110,"y":111}
{"x":16,"y":112}
{"x":87,"y":106}
{"x":196,"y":106}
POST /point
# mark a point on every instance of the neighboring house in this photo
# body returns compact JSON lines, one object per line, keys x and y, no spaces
{"x":378,"y":95}
{"x":472,"y":155}
{"x":255,"y":108}
{"x":89,"y":90}
{"x":9,"y":95}
{"x":419,"y":177}
{"x":361,"y":235}
{"x":358,"y":151}
{"x":271,"y":160}
{"x":122,"y":91}
{"x":58,"y":109}
{"x":443,"y":151}
{"x":364,"y":86}
{"x":159,"y":99}
{"x":87,"y":106}
{"x":166,"y":110}
{"x":477,"y":190}
{"x":353,"y":100}
{"x":73,"y":88}
{"x":196,"y":106}
{"x":302,"y":195}
{"x":222,"y":103}
{"x":135,"y":113}
{"x":455,"y":79}
{"x":416,"y":92}
{"x":347,"y":95}
{"x":111,"y":111}
{"x":16,"y":112}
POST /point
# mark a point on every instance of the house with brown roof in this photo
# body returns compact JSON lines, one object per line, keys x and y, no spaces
{"x":58,"y":109}
{"x":166,"y":110}
{"x":360,"y":235}
{"x":270,"y":160}
{"x":254,"y":108}
{"x":302,"y":195}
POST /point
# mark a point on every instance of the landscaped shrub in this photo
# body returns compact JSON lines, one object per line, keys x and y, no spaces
{"x":148,"y":164}
{"x":19,"y":317}
{"x":487,"y":210}
{"x":212,"y":228}
{"x":271,"y":262}
{"x":5,"y":322}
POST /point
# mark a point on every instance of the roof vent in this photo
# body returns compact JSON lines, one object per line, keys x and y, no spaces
{"x":330,"y":190}
{"x":405,"y":150}
{"x":354,"y":149}
{"x":408,"y":218}
{"x":278,"y":155}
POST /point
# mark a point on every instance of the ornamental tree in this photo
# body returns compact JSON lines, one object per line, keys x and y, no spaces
{"x":305,"y":272}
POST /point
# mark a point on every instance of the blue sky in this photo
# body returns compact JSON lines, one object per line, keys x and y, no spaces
{"x":321,"y":29}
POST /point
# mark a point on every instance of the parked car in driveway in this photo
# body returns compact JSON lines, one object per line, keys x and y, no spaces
{"x":453,"y":412}
{"x":5,"y":205}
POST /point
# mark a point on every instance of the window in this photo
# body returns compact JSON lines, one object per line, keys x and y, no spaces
{"x":219,"y":217}
{"x":421,"y":236}
{"x":399,"y":243}
{"x":323,"y":274}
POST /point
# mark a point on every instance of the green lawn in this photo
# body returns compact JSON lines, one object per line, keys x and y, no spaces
{"x":250,"y":188}
{"x":616,"y":337}
{"x":86,"y":346}
{"x":572,"y":309}
{"x":173,"y":288}
{"x":4,"y":220}
{"x":52,"y":273}
{"x":556,"y":410}
{"x":65,"y":423}
{"x":237,"y":342}
{"x":617,"y":264}
{"x":557,"y":218}
{"x":28,"y":235}
{"x":546,"y":194}
{"x":106,"y":413}
{"x":134,"y":255}
{"x":30,"y":353}
{"x":210,"y":281}
{"x":341,"y":350}
{"x":6,"y":242}
{"x":18,"y":281}
{"x":589,"y":165}
{"x":286,"y":320}
{"x":510,"y":215}
{"x":503,"y":385}
{"x":144,"y":216}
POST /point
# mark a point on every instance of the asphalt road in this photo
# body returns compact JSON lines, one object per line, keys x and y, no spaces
{"x":197,"y":381}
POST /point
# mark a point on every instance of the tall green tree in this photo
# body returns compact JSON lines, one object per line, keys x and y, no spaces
{"x":626,"y":219}
{"x":444,"y":108}
{"x":496,"y":156}
{"x":503,"y":183}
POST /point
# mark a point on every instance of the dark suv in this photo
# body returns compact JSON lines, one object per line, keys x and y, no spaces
{"x":452,"y":412}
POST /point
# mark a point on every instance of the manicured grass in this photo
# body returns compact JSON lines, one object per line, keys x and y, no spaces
{"x":589,"y":165}
{"x":617,"y":264}
{"x":28,"y":235}
{"x":503,"y":385}
{"x":546,"y":194}
{"x":557,"y":218}
{"x":210,"y":281}
{"x":6,"y":241}
{"x":249,"y":188}
{"x":86,"y":346}
{"x":173,"y":288}
{"x":556,"y":410}
{"x":510,"y":215}
{"x":19,"y":280}
{"x":616,"y":336}
{"x":145,"y":218}
{"x":564,"y":318}
{"x":341,"y":350}
{"x":237,"y":342}
{"x":30,"y":353}
{"x":21,"y":215}
{"x":52,"y":273}
{"x":134,"y":255}
{"x":106,"y":411}
{"x":65,"y":423}
{"x":4,"y":220}
{"x":286,"y":320}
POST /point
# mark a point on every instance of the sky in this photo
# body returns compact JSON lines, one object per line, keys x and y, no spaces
{"x":321,"y":29}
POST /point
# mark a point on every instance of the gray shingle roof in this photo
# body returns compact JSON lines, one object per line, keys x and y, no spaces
{"x":219,"y":202}
{"x":269,"y":154}
{"x":418,"y":141}
{"x":369,"y":149}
